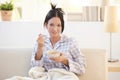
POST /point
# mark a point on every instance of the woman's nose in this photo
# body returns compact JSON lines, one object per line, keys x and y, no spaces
{"x":55,"y":28}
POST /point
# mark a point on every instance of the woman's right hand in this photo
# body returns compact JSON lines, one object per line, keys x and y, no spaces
{"x":40,"y":41}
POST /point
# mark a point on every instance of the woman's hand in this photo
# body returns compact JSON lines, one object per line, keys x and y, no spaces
{"x":40,"y":41}
{"x":61,"y":59}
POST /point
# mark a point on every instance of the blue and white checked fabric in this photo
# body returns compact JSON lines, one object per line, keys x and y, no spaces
{"x":67,"y":46}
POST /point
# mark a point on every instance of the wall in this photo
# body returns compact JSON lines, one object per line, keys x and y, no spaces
{"x":88,"y":35}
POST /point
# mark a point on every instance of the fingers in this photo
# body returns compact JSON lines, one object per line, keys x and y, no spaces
{"x":61,"y":54}
{"x":40,"y":40}
{"x":55,"y":59}
{"x":40,"y":34}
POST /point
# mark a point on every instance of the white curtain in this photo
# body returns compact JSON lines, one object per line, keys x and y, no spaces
{"x":91,"y":13}
{"x":95,"y":13}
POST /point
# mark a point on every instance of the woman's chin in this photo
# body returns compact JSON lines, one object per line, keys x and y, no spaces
{"x":54,"y":36}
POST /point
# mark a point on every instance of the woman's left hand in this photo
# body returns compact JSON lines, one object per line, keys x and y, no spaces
{"x":61,"y":59}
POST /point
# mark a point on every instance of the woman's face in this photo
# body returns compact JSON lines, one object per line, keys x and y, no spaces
{"x":54,"y":27}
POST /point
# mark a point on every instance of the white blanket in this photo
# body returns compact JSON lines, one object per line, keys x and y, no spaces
{"x":38,"y":73}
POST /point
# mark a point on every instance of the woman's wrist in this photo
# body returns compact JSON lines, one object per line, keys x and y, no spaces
{"x":40,"y":46}
{"x":38,"y":56}
{"x":39,"y":53}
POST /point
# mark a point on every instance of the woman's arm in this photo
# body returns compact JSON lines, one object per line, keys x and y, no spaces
{"x":36,"y":59}
{"x":38,"y":54}
{"x":77,"y":63}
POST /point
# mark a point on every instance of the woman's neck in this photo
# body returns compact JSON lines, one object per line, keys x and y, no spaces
{"x":54,"y":40}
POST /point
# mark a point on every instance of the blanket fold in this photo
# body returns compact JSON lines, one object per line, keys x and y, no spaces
{"x":38,"y":73}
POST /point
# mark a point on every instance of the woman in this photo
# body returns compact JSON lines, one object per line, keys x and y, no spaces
{"x":70,"y":59}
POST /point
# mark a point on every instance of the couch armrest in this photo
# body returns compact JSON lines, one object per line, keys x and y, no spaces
{"x":96,"y":60}
{"x":14,"y":62}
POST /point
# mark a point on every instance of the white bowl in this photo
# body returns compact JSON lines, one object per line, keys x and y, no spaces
{"x":53,"y":53}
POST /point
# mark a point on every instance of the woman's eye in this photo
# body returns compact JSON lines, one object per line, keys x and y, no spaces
{"x":59,"y":25}
{"x":51,"y":25}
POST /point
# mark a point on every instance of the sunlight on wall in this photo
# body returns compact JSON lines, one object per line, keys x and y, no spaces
{"x":36,"y":10}
{"x":71,"y":6}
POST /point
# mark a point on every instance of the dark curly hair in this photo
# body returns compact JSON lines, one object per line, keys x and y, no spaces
{"x":55,"y":12}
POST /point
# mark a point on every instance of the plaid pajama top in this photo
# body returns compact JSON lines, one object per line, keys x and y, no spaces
{"x":67,"y":46}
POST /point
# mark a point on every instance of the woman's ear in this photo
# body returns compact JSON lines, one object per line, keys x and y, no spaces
{"x":45,"y":25}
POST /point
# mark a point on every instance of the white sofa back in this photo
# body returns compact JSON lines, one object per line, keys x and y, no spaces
{"x":16,"y":62}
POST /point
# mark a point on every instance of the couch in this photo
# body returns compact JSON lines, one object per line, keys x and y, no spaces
{"x":16,"y":62}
